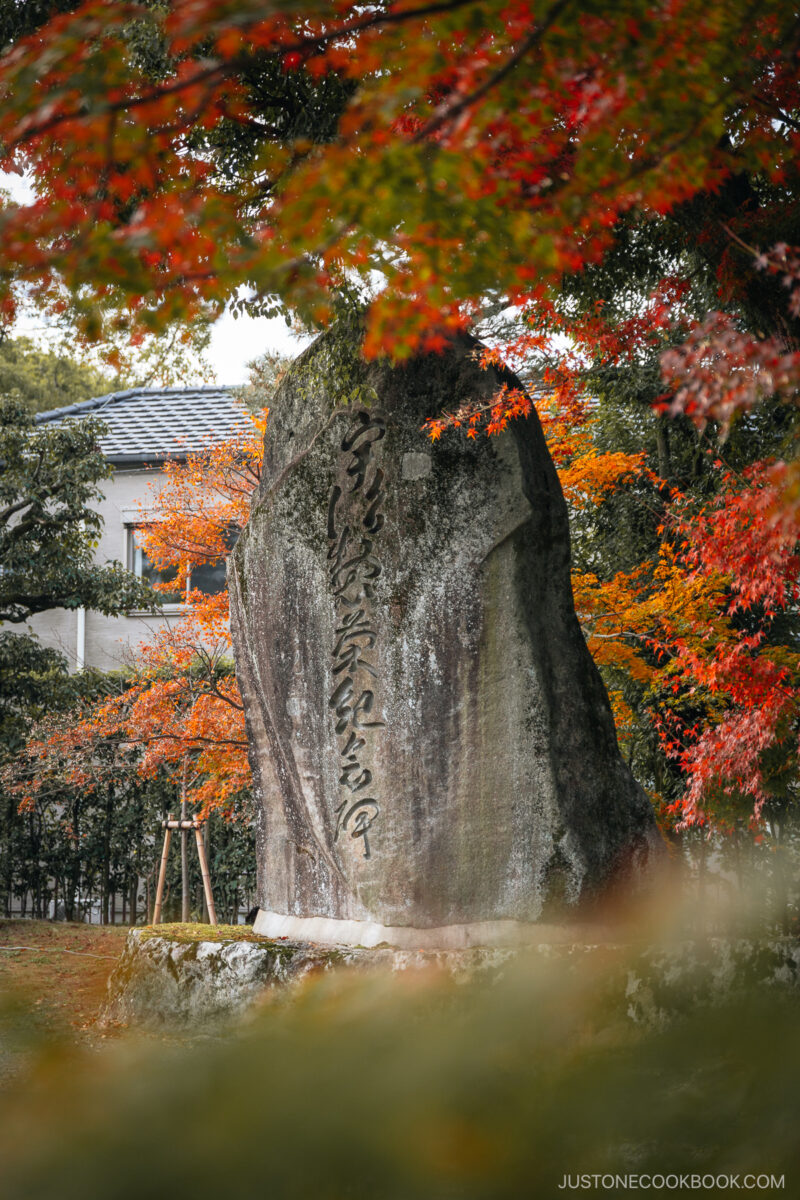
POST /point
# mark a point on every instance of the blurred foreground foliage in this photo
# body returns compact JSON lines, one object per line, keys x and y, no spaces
{"x":417,"y":1085}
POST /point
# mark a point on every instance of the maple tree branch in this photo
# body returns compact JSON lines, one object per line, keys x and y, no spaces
{"x":209,"y":684}
{"x":188,"y":120}
{"x":525,"y":46}
{"x":372,"y":21}
{"x":777,"y":111}
{"x":188,"y":739}
{"x":217,"y":72}
{"x":213,"y":690}
{"x":739,"y":241}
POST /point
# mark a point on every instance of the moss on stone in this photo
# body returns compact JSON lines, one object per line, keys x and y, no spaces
{"x":187,"y":933}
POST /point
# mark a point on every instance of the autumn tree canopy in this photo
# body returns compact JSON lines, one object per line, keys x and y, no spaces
{"x":461,"y":147}
{"x":624,"y":176}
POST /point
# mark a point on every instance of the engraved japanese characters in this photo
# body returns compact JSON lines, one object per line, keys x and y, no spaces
{"x":354,"y":522}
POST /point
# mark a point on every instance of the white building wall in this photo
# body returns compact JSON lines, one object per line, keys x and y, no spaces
{"x":108,"y":641}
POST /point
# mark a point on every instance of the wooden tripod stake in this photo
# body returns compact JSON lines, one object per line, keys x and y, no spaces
{"x":168,"y":827}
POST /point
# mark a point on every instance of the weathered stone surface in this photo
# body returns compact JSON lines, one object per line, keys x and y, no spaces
{"x":662,"y":981}
{"x":166,"y":982}
{"x":431,"y":742}
{"x":162,"y":982}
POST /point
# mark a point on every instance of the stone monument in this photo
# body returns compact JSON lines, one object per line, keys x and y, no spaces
{"x":434,"y":754}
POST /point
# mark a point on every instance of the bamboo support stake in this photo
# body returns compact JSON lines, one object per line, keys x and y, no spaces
{"x":185,"y":898}
{"x":162,"y":875}
{"x":201,"y":854}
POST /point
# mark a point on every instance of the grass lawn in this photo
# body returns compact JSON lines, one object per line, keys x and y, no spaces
{"x":57,"y":984}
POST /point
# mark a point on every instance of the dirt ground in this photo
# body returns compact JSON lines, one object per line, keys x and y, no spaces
{"x":59,"y":979}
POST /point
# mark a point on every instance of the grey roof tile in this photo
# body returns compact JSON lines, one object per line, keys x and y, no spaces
{"x":151,"y":424}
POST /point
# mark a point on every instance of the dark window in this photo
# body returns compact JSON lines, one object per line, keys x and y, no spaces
{"x":140,"y":564}
{"x":209,"y":578}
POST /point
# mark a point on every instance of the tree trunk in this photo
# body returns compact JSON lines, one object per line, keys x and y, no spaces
{"x":185,"y":897}
{"x":6,"y":855}
{"x":73,"y":874}
{"x":206,"y":843}
{"x":105,"y":878}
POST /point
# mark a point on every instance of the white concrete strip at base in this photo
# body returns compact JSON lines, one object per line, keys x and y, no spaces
{"x":331,"y":931}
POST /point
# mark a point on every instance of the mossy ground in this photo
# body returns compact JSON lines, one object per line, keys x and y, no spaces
{"x":56,"y":985}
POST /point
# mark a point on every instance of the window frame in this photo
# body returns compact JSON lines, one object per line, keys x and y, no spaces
{"x":168,"y":607}
{"x":130,"y":556}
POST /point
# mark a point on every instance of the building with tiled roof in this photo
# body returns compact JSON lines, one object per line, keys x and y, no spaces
{"x":149,"y":425}
{"x":145,"y":427}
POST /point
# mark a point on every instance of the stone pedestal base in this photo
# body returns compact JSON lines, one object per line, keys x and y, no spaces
{"x":328,"y":931}
{"x":176,"y":982}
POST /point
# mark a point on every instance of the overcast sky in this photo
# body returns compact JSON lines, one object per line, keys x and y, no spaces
{"x":235,"y":342}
